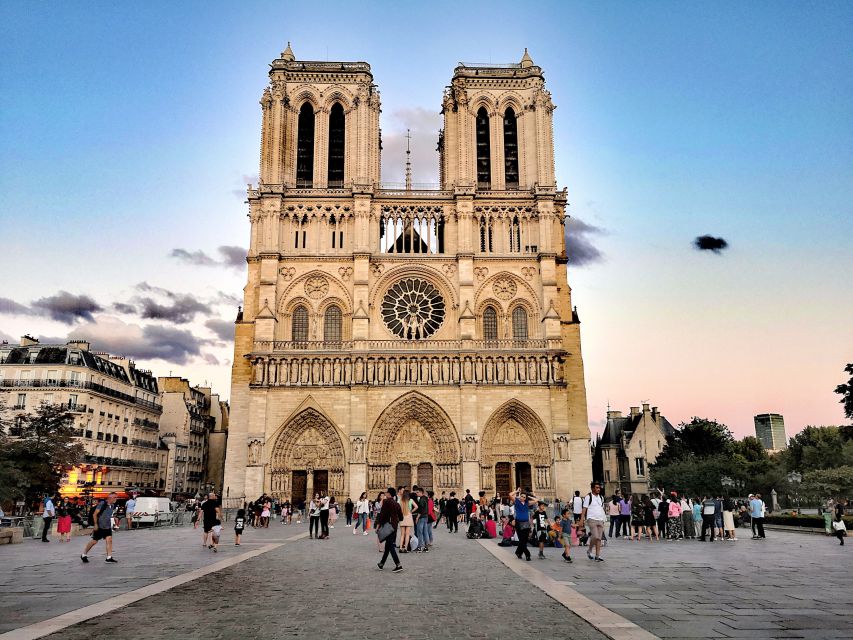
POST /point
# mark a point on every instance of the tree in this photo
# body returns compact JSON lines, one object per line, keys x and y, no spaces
{"x":817,"y":448}
{"x":42,"y":447}
{"x":829,"y":483}
{"x":698,"y":438}
{"x":750,"y":449}
{"x":846,"y":393}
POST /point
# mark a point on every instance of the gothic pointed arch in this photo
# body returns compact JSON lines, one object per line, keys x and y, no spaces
{"x":305,"y":146}
{"x":515,"y":432}
{"x":414,"y":406}
{"x":337,"y":136}
{"x":484,"y":169}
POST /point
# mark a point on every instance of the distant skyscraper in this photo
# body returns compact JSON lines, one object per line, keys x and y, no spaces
{"x":770,"y":429}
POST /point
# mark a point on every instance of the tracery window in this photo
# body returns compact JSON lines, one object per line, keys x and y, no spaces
{"x":337,"y":130}
{"x":332,"y":324}
{"x":519,"y":324}
{"x":411,"y":230}
{"x":490,"y":324}
{"x":413,"y":309}
{"x":305,"y":147}
{"x":299,"y":324}
{"x":515,"y":235}
{"x":485,"y":235}
{"x":510,"y":149}
{"x":484,"y":161}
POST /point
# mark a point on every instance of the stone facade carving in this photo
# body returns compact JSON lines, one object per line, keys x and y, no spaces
{"x":316,"y":287}
{"x":338,"y":395}
{"x":504,"y":288}
{"x":254,"y":455}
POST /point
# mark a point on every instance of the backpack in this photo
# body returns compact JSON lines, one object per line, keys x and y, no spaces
{"x":90,"y":519}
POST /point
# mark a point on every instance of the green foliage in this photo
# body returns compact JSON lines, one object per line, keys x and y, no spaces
{"x":833,"y":483}
{"x":33,"y":459}
{"x":818,"y":448}
{"x":750,"y":449}
{"x":846,"y":393}
{"x":816,"y":522}
{"x":698,"y":438}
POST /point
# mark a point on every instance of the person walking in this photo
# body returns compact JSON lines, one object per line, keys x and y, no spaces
{"x":442,"y":504}
{"x":469,"y":505}
{"x":565,"y":521}
{"x":390,"y":514}
{"x":47,"y":516}
{"x":211,"y":512}
{"x":103,"y":522}
{"x":349,"y":508}
{"x":593,"y":515}
{"x":407,"y":522}
{"x":522,"y":503}
{"x":756,"y":506}
{"x":239,"y":526}
{"x":451,"y":513}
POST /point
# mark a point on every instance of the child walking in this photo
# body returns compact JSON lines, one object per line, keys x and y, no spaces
{"x":239,"y":525}
{"x":839,"y":529}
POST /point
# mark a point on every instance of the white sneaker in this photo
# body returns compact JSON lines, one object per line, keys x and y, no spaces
{"x":364,"y":534}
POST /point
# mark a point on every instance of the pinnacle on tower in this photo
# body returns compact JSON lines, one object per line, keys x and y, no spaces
{"x":287,"y":54}
{"x":526,"y":60}
{"x":408,"y":160}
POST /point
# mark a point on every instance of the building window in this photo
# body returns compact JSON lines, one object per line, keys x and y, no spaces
{"x":336,"y":146}
{"x":515,"y":235}
{"x":300,"y":324}
{"x":490,"y":324}
{"x":485,"y":235}
{"x":484,"y":160}
{"x":413,"y":309}
{"x":305,"y":147}
{"x":607,"y":477}
{"x":48,"y":398}
{"x":22,"y":401}
{"x":519,"y":324}
{"x":332,"y":324}
{"x":641,"y":466}
{"x":510,"y":149}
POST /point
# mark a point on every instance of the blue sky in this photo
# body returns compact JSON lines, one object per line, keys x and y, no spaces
{"x":125,"y":132}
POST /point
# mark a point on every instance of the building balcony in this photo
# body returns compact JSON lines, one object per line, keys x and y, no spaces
{"x":145,"y":423}
{"x":120,"y":462}
{"x":77,"y":384}
{"x":406,"y":346}
{"x":76,"y":408}
{"x":144,"y":443}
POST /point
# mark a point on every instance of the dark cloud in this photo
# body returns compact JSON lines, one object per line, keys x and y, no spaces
{"x":710,"y":243}
{"x":121,"y":307}
{"x":67,"y":307}
{"x":182,"y":308}
{"x":233,"y":256}
{"x":226,"y":298}
{"x":198,"y":258}
{"x":151,"y":342}
{"x":12,"y":308}
{"x":222,"y":328}
{"x":580,"y":249}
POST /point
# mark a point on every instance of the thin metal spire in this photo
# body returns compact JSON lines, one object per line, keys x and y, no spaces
{"x":408,"y":160}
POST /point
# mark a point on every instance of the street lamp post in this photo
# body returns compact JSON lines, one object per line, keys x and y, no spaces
{"x":795,"y":478}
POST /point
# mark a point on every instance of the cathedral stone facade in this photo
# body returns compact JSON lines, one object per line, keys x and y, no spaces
{"x":401,"y":336}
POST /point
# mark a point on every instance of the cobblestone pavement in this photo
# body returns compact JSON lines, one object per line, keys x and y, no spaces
{"x":319,"y":589}
{"x":791,"y":585}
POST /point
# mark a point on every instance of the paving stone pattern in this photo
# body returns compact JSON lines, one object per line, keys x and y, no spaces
{"x":790,"y":585}
{"x":322,"y":589}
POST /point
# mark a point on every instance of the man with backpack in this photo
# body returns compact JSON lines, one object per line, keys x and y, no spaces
{"x":102,"y":517}
{"x":594,"y":516}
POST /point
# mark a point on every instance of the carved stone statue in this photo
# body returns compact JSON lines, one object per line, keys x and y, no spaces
{"x":255,"y":452}
{"x":470,"y":447}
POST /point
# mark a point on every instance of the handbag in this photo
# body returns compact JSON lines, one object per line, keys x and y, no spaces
{"x":385,"y":532}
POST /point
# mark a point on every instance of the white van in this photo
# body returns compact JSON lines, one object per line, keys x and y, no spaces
{"x":152,"y":511}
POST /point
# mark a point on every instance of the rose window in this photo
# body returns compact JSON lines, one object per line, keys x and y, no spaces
{"x":413,"y":309}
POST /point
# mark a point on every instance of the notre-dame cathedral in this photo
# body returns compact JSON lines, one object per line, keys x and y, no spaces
{"x":399,"y":336}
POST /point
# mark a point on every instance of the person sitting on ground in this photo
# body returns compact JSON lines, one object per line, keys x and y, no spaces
{"x":507,"y":532}
{"x":475,"y":527}
{"x":491,"y":528}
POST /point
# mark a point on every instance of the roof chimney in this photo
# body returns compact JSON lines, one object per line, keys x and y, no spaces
{"x":645,"y":407}
{"x":27,"y":340}
{"x":655,"y":413}
{"x":83,"y":345}
{"x":614,"y":414}
{"x":635,"y":411}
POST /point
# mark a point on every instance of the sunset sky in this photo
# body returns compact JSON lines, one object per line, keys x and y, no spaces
{"x":127,"y":136}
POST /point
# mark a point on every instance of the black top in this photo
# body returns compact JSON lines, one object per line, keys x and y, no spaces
{"x":208,"y":508}
{"x":451,"y":508}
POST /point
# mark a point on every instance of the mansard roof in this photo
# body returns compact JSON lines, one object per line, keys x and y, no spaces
{"x":627,"y":425}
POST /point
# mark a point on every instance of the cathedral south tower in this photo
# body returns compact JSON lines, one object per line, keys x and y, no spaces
{"x":406,"y":336}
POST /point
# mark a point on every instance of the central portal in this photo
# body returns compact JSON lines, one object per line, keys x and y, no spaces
{"x":414,"y":442}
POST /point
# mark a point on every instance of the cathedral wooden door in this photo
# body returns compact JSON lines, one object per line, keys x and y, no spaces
{"x":524,"y":476}
{"x":403,"y":475}
{"x":503,"y":479}
{"x":321,"y":482}
{"x":425,"y":476}
{"x":299,"y":488}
